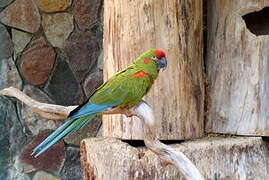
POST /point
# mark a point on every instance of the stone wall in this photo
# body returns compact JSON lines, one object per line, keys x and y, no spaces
{"x":52,"y":51}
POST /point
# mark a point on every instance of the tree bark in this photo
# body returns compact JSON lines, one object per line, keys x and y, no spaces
{"x":237,"y":68}
{"x":177,"y":97}
{"x":216,"y":158}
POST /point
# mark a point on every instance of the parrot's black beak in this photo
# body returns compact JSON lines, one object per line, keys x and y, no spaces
{"x":162,"y":63}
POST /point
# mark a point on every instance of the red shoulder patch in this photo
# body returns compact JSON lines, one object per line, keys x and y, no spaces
{"x":140,"y":74}
{"x":146,"y":61}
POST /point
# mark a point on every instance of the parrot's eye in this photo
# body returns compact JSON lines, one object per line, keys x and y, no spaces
{"x":154,"y":58}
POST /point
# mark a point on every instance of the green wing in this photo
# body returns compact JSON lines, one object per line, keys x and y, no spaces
{"x":124,"y":88}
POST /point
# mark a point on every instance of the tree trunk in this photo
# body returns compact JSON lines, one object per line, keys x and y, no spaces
{"x":216,"y":158}
{"x":238,"y":67}
{"x":177,"y":97}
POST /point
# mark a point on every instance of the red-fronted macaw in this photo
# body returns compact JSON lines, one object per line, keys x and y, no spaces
{"x":125,"y":89}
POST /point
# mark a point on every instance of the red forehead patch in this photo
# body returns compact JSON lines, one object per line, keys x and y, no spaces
{"x":140,"y":74}
{"x":159,"y":53}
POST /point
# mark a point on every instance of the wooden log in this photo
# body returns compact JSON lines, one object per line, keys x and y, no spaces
{"x":237,"y":68}
{"x":167,"y":154}
{"x":216,"y":158}
{"x":177,"y":98}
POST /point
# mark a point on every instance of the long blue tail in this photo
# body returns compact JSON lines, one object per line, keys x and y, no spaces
{"x":67,"y":128}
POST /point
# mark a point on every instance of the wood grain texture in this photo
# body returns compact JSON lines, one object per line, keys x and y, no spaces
{"x":238,"y":70}
{"x":216,"y":158}
{"x":132,"y":27}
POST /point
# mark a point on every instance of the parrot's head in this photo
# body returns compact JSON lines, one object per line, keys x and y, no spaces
{"x":159,"y":58}
{"x":153,"y":56}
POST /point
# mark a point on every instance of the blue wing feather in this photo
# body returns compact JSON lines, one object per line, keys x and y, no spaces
{"x":80,"y":118}
{"x":67,"y":128}
{"x":90,"y":108}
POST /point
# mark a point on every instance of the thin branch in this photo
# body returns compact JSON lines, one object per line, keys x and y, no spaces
{"x":164,"y":152}
{"x":51,"y":111}
{"x":47,"y":111}
{"x":142,"y":110}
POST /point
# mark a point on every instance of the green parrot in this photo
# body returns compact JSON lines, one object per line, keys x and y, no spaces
{"x":125,"y":89}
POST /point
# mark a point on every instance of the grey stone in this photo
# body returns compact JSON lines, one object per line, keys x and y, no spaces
{"x":42,"y":175}
{"x":57,"y":27}
{"x":35,"y":123}
{"x":72,"y":167}
{"x":86,"y":12}
{"x":6,"y":46}
{"x":92,"y":82}
{"x":90,"y":130}
{"x":100,"y":61}
{"x":4,"y":3}
{"x":20,"y":40}
{"x":97,"y":31}
{"x":63,"y":87}
{"x":82,"y":50}
{"x":12,"y":138}
{"x":9,"y":74}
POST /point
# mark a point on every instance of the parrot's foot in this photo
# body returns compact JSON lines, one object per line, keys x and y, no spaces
{"x":126,"y":111}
